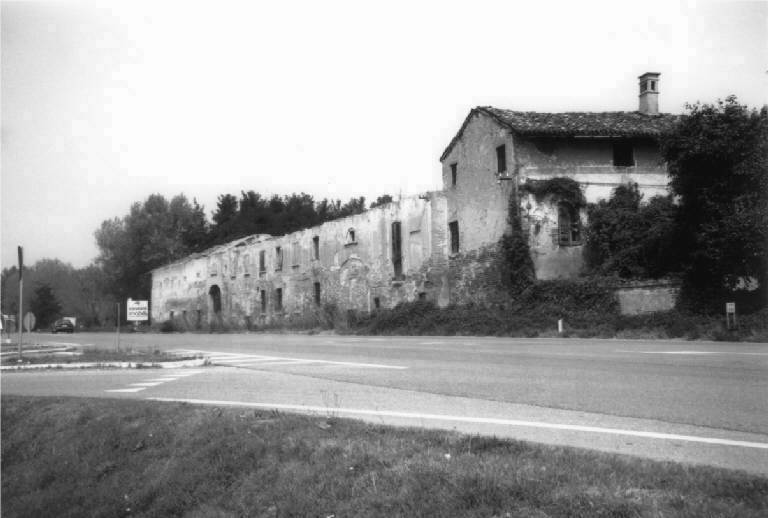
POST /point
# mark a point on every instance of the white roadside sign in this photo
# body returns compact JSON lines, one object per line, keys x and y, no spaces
{"x":137,"y":310}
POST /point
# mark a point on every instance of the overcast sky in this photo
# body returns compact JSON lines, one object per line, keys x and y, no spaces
{"x":105,"y":103}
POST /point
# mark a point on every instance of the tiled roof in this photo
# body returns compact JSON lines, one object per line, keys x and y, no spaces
{"x":571,"y":124}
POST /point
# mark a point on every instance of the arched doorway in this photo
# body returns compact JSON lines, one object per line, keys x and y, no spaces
{"x":215,"y":294}
{"x":215,"y":321}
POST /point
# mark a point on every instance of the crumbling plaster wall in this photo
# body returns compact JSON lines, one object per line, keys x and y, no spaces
{"x":590,"y":163}
{"x":352,"y":272}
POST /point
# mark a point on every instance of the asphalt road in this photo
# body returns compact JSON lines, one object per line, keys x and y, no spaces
{"x":701,"y":402}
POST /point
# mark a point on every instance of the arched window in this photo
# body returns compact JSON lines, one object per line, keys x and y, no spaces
{"x":568,"y":225}
{"x":351,"y":238}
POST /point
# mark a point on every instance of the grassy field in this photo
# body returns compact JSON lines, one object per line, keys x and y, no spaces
{"x":94,"y":457}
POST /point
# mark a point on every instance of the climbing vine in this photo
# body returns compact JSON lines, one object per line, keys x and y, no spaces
{"x":564,"y":189}
{"x":517,"y":266}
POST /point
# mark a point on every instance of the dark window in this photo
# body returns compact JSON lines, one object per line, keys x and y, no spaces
{"x":453,"y":226}
{"x":653,"y":86}
{"x":171,"y":315}
{"x":278,"y":258}
{"x":316,"y":248}
{"x":501,"y":158}
{"x":263,"y":301}
{"x":568,"y":225}
{"x":423,"y":295}
{"x":623,"y":155}
{"x":279,"y":299}
{"x":317,"y":293}
{"x":351,"y":236}
{"x":397,"y":248}
{"x":453,"y":174}
{"x":376,"y":302}
{"x":262,"y":263}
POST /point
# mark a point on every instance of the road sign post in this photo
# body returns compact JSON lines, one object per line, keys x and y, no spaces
{"x":730,"y":315}
{"x":21,"y":293}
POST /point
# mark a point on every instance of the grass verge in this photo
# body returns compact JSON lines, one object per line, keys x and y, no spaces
{"x":75,"y":355}
{"x":94,"y":457}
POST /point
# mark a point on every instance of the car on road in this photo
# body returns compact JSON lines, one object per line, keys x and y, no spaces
{"x":63,"y":326}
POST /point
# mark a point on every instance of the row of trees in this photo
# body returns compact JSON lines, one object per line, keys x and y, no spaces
{"x":53,"y":288}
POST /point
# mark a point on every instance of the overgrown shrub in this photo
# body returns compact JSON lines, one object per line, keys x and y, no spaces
{"x":631,"y":239}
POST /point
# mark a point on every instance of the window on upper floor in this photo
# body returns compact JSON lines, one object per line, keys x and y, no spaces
{"x":454,"y":168}
{"x":316,"y":248}
{"x":623,"y":153}
{"x":501,"y":158}
{"x":568,"y":225}
{"x":262,"y":263}
{"x":278,"y":258}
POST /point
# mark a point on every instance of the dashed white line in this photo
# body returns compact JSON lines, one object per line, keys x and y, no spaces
{"x":137,"y":389}
{"x":146,"y":384}
{"x":480,"y":420}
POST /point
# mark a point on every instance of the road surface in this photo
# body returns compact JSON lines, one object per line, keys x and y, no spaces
{"x":699,"y":402}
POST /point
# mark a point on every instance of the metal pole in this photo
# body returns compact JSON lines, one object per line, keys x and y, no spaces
{"x":118,"y":327}
{"x":21,"y":293}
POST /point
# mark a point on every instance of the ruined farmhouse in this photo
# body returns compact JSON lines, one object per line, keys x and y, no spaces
{"x":440,"y":246}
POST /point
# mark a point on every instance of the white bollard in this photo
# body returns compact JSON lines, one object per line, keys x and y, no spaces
{"x":560,"y":326}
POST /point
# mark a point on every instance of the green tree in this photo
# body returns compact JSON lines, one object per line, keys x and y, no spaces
{"x":45,"y":305}
{"x":718,"y":165}
{"x":381,"y":200}
{"x":630,"y":238}
{"x":155,"y":232}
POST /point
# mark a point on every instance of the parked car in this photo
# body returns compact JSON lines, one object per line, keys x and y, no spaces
{"x":63,"y":326}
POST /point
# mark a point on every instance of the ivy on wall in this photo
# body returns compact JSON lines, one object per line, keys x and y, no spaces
{"x":517,"y":266}
{"x":564,"y":189}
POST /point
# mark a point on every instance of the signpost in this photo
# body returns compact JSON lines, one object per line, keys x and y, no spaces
{"x":730,"y":315}
{"x":21,"y":291}
{"x":137,"y":310}
{"x":29,"y":321}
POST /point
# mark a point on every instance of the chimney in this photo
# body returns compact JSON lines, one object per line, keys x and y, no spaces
{"x":649,"y":93}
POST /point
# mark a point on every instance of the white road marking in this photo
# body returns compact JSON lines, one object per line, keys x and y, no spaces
{"x":154,"y":382}
{"x":481,"y":420}
{"x":241,"y":359}
{"x":729,"y":353}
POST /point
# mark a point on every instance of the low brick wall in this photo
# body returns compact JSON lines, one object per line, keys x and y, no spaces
{"x":647,"y":296}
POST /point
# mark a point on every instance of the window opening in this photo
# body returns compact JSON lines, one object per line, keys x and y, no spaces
{"x":316,"y":248}
{"x":263,"y":301}
{"x":317,"y":293}
{"x":279,"y":299}
{"x":278,"y":258}
{"x":623,"y":155}
{"x":397,"y":248}
{"x":262,"y":263}
{"x":453,"y":227}
{"x":568,"y":225}
{"x":454,"y":168}
{"x":501,"y":158}
{"x":376,"y":302}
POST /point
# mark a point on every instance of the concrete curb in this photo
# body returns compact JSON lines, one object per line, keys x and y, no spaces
{"x":106,"y":365}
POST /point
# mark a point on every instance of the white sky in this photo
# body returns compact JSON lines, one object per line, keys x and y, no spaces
{"x":105,"y":103}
